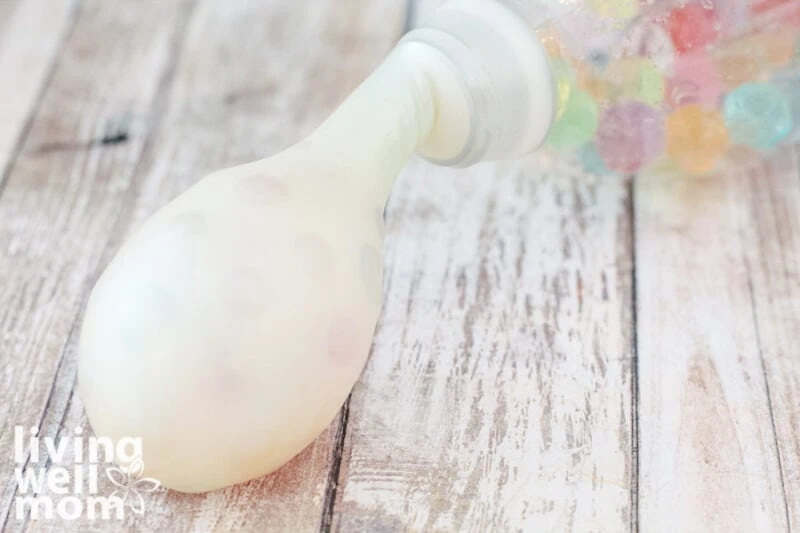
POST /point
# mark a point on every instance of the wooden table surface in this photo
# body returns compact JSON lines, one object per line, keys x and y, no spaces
{"x":556,"y":352}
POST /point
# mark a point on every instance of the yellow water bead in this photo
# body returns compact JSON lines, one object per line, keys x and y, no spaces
{"x":615,"y":9}
{"x":696,"y":138}
{"x":635,"y":78}
{"x":564,"y":78}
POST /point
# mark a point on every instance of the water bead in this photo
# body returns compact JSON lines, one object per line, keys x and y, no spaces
{"x":779,"y":45}
{"x":694,"y":80}
{"x":736,"y":66}
{"x":747,"y":57}
{"x":630,"y":136}
{"x":564,"y":79}
{"x":615,"y":9}
{"x":696,"y":138}
{"x":691,"y":27}
{"x":599,"y":59}
{"x":789,"y":84}
{"x":787,"y":10}
{"x":591,"y":161}
{"x":551,"y":40}
{"x":590,"y":80}
{"x":636,"y":78}
{"x":757,"y":115}
{"x":577,"y":124}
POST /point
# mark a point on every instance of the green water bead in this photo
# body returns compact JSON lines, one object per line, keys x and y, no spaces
{"x":757,"y":115}
{"x":636,"y":78}
{"x":577,"y":123}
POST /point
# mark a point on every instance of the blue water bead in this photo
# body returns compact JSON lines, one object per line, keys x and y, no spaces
{"x":789,"y":83}
{"x":591,"y":161}
{"x":757,"y":115}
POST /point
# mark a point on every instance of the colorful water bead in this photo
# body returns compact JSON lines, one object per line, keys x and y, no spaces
{"x":577,"y":123}
{"x":589,"y":78}
{"x":757,"y":115}
{"x":788,"y":82}
{"x":691,"y":27}
{"x":786,"y":10}
{"x":635,"y":78}
{"x":630,"y":135}
{"x":696,"y":138}
{"x":591,"y":161}
{"x":564,"y":78}
{"x":615,"y":9}
{"x":748,"y":57}
{"x":694,"y":80}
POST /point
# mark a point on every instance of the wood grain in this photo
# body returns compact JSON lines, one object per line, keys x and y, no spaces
{"x":29,"y":46}
{"x":6,"y":8}
{"x":556,"y":352}
{"x":709,"y":460}
{"x":62,"y":196}
{"x":158,"y":95}
{"x":771,"y":233}
{"x":498,"y":393}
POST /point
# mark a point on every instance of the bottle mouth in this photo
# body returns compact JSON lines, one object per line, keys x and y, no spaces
{"x":500,"y":99}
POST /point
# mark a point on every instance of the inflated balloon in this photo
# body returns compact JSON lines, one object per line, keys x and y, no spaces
{"x":228,"y":331}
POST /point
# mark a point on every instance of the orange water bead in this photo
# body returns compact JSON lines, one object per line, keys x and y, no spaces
{"x":752,"y":57}
{"x":551,"y":40}
{"x":696,"y":138}
{"x":591,"y":82}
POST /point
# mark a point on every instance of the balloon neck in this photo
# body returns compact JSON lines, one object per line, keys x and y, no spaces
{"x":471,"y":84}
{"x":371,"y":136}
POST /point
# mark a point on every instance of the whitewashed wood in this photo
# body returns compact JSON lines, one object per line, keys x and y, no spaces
{"x":771,"y":232}
{"x":501,"y":393}
{"x":498,"y":393}
{"x":6,"y":8}
{"x":248,"y":79}
{"x":61,"y":198}
{"x":31,"y":34}
{"x":708,"y":457}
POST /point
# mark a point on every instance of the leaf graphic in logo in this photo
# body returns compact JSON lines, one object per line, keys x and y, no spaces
{"x":131,"y":484}
{"x":119,"y":478}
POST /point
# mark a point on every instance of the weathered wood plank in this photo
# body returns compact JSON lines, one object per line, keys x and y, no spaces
{"x":772,"y":250}
{"x":498,"y":393}
{"x":29,"y":44}
{"x":6,"y":8}
{"x":252,"y":77}
{"x":498,"y":396}
{"x":708,"y":457}
{"x":63,"y":195}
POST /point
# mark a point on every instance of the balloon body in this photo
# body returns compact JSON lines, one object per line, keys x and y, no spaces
{"x":229,"y":330}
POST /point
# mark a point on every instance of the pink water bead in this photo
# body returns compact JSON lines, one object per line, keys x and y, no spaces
{"x":630,"y":135}
{"x":691,"y":27}
{"x":694,"y":80}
